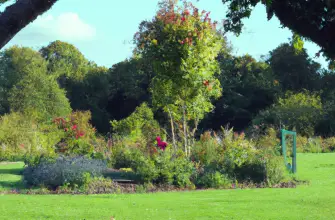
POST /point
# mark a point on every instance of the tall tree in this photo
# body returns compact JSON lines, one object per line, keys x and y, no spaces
{"x":65,"y":60}
{"x":313,"y":20}
{"x":295,"y":70}
{"x":182,"y":43}
{"x":19,"y":15}
{"x":248,"y":86}
{"x":38,"y":96}
{"x":16,"y":63}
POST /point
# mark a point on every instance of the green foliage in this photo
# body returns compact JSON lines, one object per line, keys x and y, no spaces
{"x":312,"y":20}
{"x":65,"y":60}
{"x":140,"y":124}
{"x":297,"y":43}
{"x":79,"y":138}
{"x":275,"y":170}
{"x":300,"y":112}
{"x":269,"y":142}
{"x":98,"y":185}
{"x":39,"y":97}
{"x":207,"y":150}
{"x":22,"y":137}
{"x":248,"y":87}
{"x":295,"y":71}
{"x":214,"y":180}
{"x":17,"y":63}
{"x":182,"y":44}
{"x":163,"y":168}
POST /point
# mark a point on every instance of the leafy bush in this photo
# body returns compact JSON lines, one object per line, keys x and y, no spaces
{"x":269,"y":142}
{"x":79,"y":134}
{"x":300,"y":112}
{"x":214,"y":180}
{"x":329,"y":145}
{"x":206,"y":150}
{"x":100,"y":185}
{"x":21,"y":136}
{"x":275,"y":170}
{"x":314,"y":145}
{"x":139,"y":125}
{"x":64,"y":170}
{"x":160,"y":169}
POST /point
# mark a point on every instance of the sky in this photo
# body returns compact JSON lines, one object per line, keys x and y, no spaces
{"x":103,"y":30}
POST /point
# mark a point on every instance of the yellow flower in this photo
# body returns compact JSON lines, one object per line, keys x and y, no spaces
{"x":154,"y":41}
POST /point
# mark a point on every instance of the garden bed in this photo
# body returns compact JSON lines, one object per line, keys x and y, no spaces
{"x":130,"y":188}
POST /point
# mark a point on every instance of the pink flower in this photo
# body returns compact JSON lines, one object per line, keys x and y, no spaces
{"x":74,"y":127}
{"x":182,"y":42}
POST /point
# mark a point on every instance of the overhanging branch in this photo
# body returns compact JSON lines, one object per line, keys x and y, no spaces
{"x":19,"y":15}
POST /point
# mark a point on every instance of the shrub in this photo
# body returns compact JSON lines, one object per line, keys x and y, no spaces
{"x":275,"y":170}
{"x":314,"y":145}
{"x":20,"y":136}
{"x":64,"y":170}
{"x":160,"y":169}
{"x":329,"y":144}
{"x":300,"y":112}
{"x":269,"y":142}
{"x":100,"y":185}
{"x":79,"y":134}
{"x":206,"y":150}
{"x":214,"y":180}
{"x":301,"y":143}
{"x":139,"y":125}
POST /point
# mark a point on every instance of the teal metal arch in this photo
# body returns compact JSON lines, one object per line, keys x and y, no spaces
{"x":284,"y":133}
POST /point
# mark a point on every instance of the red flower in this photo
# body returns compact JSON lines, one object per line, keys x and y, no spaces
{"x":74,"y":127}
{"x":182,"y":42}
{"x":81,"y":134}
{"x":183,"y":18}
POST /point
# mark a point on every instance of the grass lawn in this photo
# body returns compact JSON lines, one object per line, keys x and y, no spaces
{"x":315,"y":201}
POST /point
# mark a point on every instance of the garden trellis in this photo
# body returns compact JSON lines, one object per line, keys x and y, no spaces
{"x":284,"y":133}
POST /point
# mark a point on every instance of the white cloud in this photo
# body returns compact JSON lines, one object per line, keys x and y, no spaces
{"x":67,"y":26}
{"x":46,"y":28}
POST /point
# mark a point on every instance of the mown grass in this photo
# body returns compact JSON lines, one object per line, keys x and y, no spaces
{"x":10,"y":175}
{"x":313,"y":201}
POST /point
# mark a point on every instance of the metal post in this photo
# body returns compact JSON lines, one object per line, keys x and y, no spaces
{"x":294,"y":159}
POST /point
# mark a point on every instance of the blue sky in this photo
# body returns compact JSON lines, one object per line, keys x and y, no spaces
{"x":103,"y":30}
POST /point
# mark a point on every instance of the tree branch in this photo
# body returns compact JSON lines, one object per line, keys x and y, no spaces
{"x":318,"y":27}
{"x":19,"y":15}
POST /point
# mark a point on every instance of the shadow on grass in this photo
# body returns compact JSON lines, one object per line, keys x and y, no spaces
{"x":14,"y":171}
{"x":12,"y":184}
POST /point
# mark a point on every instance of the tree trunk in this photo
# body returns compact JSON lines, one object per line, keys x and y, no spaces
{"x":19,"y":15}
{"x":172,"y":131}
{"x":192,"y":134}
{"x":185,"y":129}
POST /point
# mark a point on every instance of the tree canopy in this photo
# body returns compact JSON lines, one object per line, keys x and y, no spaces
{"x":313,"y":20}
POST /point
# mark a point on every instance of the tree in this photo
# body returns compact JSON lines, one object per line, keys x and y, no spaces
{"x":295,"y":71}
{"x":19,"y":15}
{"x":129,"y":84}
{"x":313,"y":20}
{"x":16,"y":63}
{"x":295,"y":111}
{"x":182,"y":44}
{"x":65,"y":61}
{"x":38,"y":96}
{"x":248,"y":86}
